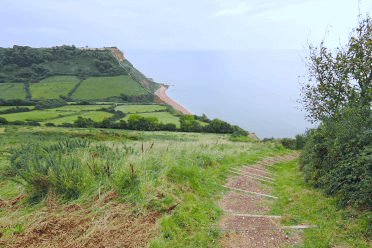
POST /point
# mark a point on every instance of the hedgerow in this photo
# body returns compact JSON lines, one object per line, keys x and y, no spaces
{"x":337,"y":157}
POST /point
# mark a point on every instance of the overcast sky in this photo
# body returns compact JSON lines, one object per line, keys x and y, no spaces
{"x":174,"y":24}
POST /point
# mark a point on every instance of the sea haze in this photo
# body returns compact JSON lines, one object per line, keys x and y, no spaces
{"x":254,"y":89}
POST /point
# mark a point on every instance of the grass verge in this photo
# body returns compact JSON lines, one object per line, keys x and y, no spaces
{"x":302,"y":204}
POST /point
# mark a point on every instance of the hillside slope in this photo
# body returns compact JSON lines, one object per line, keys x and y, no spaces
{"x":47,"y":73}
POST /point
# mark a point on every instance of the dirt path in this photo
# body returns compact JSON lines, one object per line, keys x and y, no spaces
{"x":245,"y":213}
{"x":161,"y":94}
{"x":2,"y":130}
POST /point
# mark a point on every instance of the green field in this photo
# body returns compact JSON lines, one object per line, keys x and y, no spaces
{"x":139,"y":108}
{"x":78,"y":108}
{"x":52,"y":87}
{"x":94,"y":115}
{"x":12,"y":90}
{"x":32,"y":115}
{"x":164,"y":117}
{"x":104,"y":87}
{"x":2,"y":108}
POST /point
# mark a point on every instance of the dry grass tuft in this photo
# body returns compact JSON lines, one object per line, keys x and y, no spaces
{"x":73,"y":226}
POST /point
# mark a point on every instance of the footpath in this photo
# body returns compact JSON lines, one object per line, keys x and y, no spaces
{"x":245,"y":209}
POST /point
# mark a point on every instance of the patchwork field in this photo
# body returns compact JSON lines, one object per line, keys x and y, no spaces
{"x":94,"y":115}
{"x":32,"y":115}
{"x":12,"y":90}
{"x":2,"y":108}
{"x":78,"y":108}
{"x":139,"y":108}
{"x":164,"y":117}
{"x":103,"y":87}
{"x":52,"y":87}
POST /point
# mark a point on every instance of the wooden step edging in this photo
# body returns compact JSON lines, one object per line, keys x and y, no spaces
{"x":257,"y":169}
{"x":253,"y":174}
{"x":254,"y":215}
{"x":264,"y":163}
{"x":250,"y":192}
{"x":245,"y":175}
{"x":268,"y":228}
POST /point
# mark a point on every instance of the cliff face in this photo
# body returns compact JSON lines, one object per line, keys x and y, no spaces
{"x":136,"y":75}
{"x":117,"y":54}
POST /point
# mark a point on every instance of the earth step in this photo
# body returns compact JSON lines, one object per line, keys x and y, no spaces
{"x":249,"y":192}
{"x":268,"y":228}
{"x":246,"y":175}
{"x":253,"y":174}
{"x":263,"y":163}
{"x":257,"y":169}
{"x":255,"y":215}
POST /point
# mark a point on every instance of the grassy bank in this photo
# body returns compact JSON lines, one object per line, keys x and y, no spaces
{"x":155,"y":189}
{"x":302,"y":204}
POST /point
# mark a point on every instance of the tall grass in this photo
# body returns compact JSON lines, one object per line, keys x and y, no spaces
{"x":181,"y":180}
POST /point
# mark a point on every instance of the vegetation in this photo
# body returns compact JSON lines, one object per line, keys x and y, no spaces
{"x":104,"y":87}
{"x":52,"y":87}
{"x":12,"y":91}
{"x":337,"y":157}
{"x":26,"y":64}
{"x":340,"y":80}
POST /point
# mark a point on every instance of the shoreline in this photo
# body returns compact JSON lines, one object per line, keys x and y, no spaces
{"x":161,"y":94}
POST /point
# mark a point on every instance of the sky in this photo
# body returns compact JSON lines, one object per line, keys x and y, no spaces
{"x":178,"y":25}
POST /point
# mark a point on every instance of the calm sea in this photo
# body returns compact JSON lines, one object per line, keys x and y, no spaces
{"x":254,"y":89}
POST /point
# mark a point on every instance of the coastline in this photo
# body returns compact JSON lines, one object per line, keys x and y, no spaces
{"x":161,"y":94}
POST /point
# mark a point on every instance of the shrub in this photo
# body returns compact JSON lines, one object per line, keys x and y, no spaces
{"x":3,"y":120}
{"x":33,"y":123}
{"x":17,"y":123}
{"x":288,"y":143}
{"x":268,"y":139}
{"x":337,"y":156}
{"x":50,"y":124}
{"x":65,"y":124}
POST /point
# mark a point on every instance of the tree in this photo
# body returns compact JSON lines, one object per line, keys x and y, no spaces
{"x":340,"y":79}
{"x":186,"y":122}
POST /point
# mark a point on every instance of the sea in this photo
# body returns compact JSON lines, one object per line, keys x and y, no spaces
{"x":254,"y":89}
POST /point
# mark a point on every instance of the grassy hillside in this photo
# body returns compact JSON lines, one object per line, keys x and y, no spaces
{"x":12,"y":90}
{"x":148,"y":189}
{"x":37,"y":115}
{"x":94,"y":115}
{"x":164,"y":117}
{"x":52,"y":87}
{"x":56,"y":71}
{"x":139,"y":108}
{"x":103,"y":87}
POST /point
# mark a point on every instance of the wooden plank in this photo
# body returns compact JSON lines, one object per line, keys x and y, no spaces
{"x":253,"y":174}
{"x":245,"y":175}
{"x":269,"y":228}
{"x":263,"y":163}
{"x":255,"y":215}
{"x":254,"y":168}
{"x":249,"y":192}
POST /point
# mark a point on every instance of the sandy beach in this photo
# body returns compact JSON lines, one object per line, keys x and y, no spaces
{"x":161,"y":94}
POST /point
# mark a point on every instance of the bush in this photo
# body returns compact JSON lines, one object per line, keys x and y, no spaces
{"x":288,"y":143}
{"x":33,"y":123}
{"x":50,"y":124}
{"x":50,"y":103}
{"x":268,"y":139}
{"x":17,"y":123}
{"x":337,"y":157}
{"x":65,"y":124}
{"x":15,"y":110}
{"x":3,"y":120}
